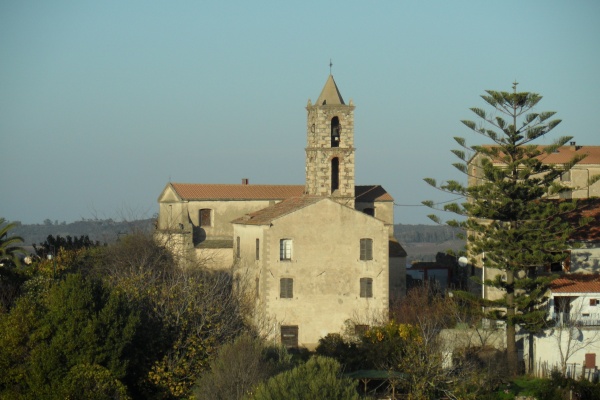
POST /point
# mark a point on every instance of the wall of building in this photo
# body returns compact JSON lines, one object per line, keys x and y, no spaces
{"x":586,"y":259}
{"x":550,"y":343}
{"x":580,"y":174}
{"x":325,"y":266}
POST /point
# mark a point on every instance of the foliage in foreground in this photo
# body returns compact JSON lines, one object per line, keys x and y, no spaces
{"x":121,"y":319}
{"x":420,"y":343}
{"x":239,"y":367}
{"x":77,"y":333}
{"x":318,"y":378}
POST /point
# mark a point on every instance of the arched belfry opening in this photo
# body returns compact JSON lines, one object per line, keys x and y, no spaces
{"x":335,"y":174}
{"x":336,"y":129}
{"x":329,"y":152}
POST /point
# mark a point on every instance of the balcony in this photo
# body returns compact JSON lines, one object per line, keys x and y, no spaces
{"x":576,"y":319}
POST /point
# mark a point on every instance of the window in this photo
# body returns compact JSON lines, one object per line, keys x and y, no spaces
{"x":366,"y":249}
{"x":335,"y":132}
{"x":593,"y":302}
{"x":237,"y":247}
{"x":335,"y":174}
{"x":258,"y":249}
{"x":289,"y":335}
{"x":205,"y":217}
{"x":360,"y":330}
{"x":286,"y":288}
{"x":285,"y":249}
{"x":257,"y":281}
{"x":566,"y":176}
{"x":366,"y":287}
{"x":369,"y":211}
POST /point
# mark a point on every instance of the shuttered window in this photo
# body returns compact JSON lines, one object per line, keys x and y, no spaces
{"x":366,"y":249}
{"x":366,"y":287}
{"x":286,"y":288}
{"x":289,"y":335}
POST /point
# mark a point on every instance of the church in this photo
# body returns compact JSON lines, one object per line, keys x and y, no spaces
{"x":315,"y":258}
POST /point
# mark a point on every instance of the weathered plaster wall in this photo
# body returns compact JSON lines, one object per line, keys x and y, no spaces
{"x":326,"y":269}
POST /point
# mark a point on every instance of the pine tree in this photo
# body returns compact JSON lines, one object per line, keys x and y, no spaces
{"x":510,"y":216}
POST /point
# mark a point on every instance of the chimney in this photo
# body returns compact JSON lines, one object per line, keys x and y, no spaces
{"x":574,"y":146}
{"x":245,"y":181}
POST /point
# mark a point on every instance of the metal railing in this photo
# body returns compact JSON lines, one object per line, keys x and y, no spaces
{"x":576,"y":319}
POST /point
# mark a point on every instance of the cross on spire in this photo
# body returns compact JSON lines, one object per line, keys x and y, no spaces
{"x":330,"y":65}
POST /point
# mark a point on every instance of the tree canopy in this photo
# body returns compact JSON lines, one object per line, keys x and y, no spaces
{"x":512,"y":211}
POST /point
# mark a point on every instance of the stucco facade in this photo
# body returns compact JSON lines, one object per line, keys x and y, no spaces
{"x":325,"y":267}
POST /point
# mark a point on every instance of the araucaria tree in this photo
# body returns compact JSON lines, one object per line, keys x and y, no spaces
{"x":510,"y":214}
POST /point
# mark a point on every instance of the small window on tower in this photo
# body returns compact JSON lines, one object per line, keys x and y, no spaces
{"x":335,"y":174}
{"x":335,"y":132}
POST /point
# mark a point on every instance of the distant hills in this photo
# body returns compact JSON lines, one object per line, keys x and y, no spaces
{"x":101,"y":230}
{"x":421,"y":242}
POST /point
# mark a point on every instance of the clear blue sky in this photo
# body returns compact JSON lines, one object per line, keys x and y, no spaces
{"x":103,"y":102}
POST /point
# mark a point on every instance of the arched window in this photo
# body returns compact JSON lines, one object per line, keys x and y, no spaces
{"x":336,"y":129}
{"x":335,"y":174}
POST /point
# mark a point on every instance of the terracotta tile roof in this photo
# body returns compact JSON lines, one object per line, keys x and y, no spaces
{"x":565,"y":154}
{"x":576,"y":283}
{"x":266,"y":215}
{"x":210,"y":191}
{"x":371,"y":193}
{"x":591,"y":231}
{"x":200,"y":191}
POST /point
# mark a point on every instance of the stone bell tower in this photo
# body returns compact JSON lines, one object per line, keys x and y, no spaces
{"x":330,"y":146}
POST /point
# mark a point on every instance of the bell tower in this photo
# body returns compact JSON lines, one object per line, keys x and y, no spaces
{"x":330,"y":146}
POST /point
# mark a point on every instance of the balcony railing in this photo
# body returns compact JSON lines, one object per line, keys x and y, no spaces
{"x":576,"y":319}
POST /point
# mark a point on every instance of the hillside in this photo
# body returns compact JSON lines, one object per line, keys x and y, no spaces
{"x":421,"y":242}
{"x":103,"y":231}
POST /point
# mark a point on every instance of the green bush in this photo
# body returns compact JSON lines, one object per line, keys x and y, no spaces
{"x":318,"y":378}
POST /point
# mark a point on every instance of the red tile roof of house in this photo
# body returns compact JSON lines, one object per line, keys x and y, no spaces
{"x":199,"y":191}
{"x":203,"y":191}
{"x":564,"y":154}
{"x":576,"y":283}
{"x":266,"y":215}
